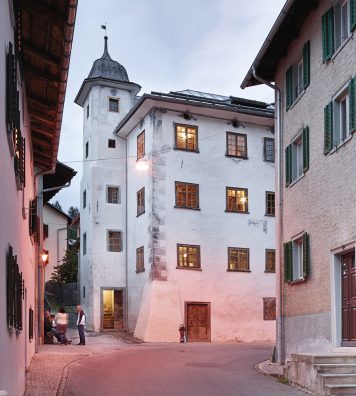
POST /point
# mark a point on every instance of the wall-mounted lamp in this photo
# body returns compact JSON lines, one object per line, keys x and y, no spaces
{"x":142,"y":164}
{"x":44,"y":257}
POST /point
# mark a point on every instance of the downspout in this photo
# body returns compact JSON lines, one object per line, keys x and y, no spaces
{"x":279,"y":218}
{"x":126,"y":248}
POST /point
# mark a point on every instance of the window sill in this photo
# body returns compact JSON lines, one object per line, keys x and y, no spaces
{"x":236,"y":156}
{"x":337,"y":51}
{"x":236,"y":270}
{"x":296,"y":180}
{"x":296,"y":100}
{"x":186,"y":207}
{"x":297,"y":281}
{"x":187,"y":150}
{"x":235,"y":211}
{"x":139,"y":214}
{"x":270,"y":272}
{"x":270,"y":215}
{"x":270,"y":161}
{"x":189,"y":268}
{"x":336,"y":148}
{"x":140,"y":270}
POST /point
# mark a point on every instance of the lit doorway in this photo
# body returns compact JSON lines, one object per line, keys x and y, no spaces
{"x":112,"y":309}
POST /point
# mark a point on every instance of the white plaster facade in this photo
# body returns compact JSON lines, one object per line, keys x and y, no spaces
{"x":154,"y":299}
{"x":57,"y":241}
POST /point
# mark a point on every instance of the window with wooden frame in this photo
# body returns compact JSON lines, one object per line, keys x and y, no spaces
{"x":268,"y":149}
{"x":236,"y":145}
{"x":141,"y":145}
{"x":45,"y":231}
{"x":270,"y":260}
{"x":236,"y":200}
{"x":296,"y":259}
{"x":140,"y":259}
{"x":14,"y":292}
{"x":114,"y":105}
{"x":238,"y":259}
{"x":114,"y":241}
{"x":298,"y":77}
{"x":270,"y":203}
{"x":112,"y":143}
{"x":188,"y":256}
{"x":141,"y":201}
{"x":297,"y":157}
{"x":30,"y":323}
{"x":34,"y":222}
{"x":113,"y":195}
{"x":84,"y":244}
{"x":187,"y":195}
{"x":269,"y":308}
{"x":186,"y":137}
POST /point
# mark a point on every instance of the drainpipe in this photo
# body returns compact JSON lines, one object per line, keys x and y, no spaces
{"x":279,"y":218}
{"x":126,"y":249}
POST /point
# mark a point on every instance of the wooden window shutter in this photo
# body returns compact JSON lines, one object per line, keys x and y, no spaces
{"x":288,"y":262}
{"x":11,"y":86}
{"x":306,"y":64}
{"x":305,"y":148}
{"x":352,"y":15}
{"x":328,"y":127}
{"x":306,"y":257}
{"x":288,"y":164}
{"x":328,"y":34}
{"x":289,"y":88}
{"x":352,"y":104}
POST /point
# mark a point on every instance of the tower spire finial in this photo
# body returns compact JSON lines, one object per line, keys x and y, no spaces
{"x":106,"y":52}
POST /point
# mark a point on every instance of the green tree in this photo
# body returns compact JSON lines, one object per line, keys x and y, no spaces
{"x":66,"y":271}
{"x":57,"y":205}
{"x":73,"y":212}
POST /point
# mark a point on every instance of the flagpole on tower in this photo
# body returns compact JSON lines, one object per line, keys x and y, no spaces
{"x":104,"y":27}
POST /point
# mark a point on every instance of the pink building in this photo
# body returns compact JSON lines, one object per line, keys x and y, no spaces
{"x":35,"y":40}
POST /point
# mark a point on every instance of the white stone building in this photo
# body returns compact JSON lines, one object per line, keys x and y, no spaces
{"x":177,"y":211}
{"x":310,"y":55}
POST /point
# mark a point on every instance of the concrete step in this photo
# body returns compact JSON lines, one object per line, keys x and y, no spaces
{"x":341,"y":389}
{"x":339,"y":359}
{"x":347,"y":368}
{"x":340,"y":378}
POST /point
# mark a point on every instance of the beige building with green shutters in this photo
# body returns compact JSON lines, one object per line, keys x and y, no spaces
{"x":309,"y":59}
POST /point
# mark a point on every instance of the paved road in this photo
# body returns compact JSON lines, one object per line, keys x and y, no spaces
{"x":176,"y":370}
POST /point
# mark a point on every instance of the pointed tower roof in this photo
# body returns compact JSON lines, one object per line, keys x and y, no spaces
{"x":106,"y":72}
{"x":105,"y":67}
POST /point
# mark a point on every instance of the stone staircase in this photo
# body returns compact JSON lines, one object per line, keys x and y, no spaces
{"x":325,"y":375}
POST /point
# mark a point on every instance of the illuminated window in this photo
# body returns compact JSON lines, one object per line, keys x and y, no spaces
{"x":187,"y":195}
{"x":114,"y":105}
{"x":270,"y":260}
{"x":186,"y":137}
{"x":238,"y":259}
{"x":236,"y":199}
{"x":114,"y":243}
{"x":270,"y":203}
{"x":141,"y":201}
{"x":140,"y":261}
{"x":188,"y":256}
{"x":236,"y":145}
{"x":141,"y":145}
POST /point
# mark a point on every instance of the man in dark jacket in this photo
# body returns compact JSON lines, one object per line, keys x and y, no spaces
{"x":80,"y":325}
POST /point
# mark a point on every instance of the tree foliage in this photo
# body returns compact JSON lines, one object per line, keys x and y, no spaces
{"x":66,"y":271}
{"x":57,"y":205}
{"x":73,"y":212}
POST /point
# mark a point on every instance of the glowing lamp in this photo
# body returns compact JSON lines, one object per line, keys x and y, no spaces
{"x":44,"y":257}
{"x":141,"y":164}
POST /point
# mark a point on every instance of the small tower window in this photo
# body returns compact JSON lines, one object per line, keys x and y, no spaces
{"x":87,"y":111}
{"x":111,"y":143}
{"x":114,"y":105}
{"x":86,"y":149}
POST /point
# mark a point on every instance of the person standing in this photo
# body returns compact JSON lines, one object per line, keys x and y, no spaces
{"x":61,"y":326}
{"x":80,"y":325}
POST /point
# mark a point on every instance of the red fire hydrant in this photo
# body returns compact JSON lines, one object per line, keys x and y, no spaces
{"x":182,"y":333}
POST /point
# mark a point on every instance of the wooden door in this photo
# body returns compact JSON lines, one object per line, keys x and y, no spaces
{"x":198,"y":321}
{"x":118,"y":310}
{"x":348,"y":276}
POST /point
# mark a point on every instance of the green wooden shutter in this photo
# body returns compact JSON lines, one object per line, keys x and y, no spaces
{"x":327,"y":22}
{"x":352,"y":105}
{"x":289,"y":88}
{"x":352,"y":15}
{"x":328,"y":127}
{"x":288,"y":165}
{"x":288,"y":263}
{"x":306,"y":257}
{"x":306,"y":64}
{"x":305,"y":148}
